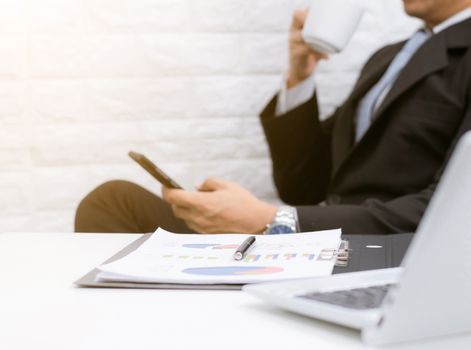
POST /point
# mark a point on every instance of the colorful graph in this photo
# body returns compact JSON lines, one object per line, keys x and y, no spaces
{"x":212,"y":246}
{"x":253,"y":258}
{"x":232,"y":270}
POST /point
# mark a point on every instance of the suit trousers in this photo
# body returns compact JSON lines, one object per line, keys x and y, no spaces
{"x":124,"y":207}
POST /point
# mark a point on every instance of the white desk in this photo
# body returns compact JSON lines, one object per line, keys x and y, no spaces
{"x":41,"y":309}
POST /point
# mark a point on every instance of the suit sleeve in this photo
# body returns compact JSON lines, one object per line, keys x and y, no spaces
{"x":300,"y":147}
{"x":401,"y":214}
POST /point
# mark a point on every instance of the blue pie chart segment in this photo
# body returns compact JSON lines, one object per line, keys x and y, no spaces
{"x":232,"y":270}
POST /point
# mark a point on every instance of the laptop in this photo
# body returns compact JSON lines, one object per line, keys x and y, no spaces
{"x":429,"y":295}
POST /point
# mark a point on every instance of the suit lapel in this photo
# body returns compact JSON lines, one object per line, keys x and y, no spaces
{"x":428,"y":59}
{"x":370,"y":77}
{"x":431,"y":57}
{"x":343,"y":135}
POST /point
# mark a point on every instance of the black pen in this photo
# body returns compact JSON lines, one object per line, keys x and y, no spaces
{"x":244,"y":248}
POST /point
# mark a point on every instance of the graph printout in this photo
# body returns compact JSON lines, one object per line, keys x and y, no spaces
{"x":208,"y":259}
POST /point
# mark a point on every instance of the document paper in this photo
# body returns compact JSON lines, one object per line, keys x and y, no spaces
{"x":208,"y":259}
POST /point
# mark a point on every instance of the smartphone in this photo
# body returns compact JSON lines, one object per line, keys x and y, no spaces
{"x":152,"y":169}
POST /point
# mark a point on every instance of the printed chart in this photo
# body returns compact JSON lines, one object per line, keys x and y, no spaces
{"x":233,"y":270}
{"x":210,"y":246}
{"x":208,"y":259}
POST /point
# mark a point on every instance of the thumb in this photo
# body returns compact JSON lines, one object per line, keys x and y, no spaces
{"x":212,"y":185}
{"x":319,"y":56}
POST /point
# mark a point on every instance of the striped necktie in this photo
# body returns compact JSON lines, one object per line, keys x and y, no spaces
{"x":375,"y":96}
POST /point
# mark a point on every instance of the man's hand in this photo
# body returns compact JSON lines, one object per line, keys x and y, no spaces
{"x":220,"y":207}
{"x":302,"y":59}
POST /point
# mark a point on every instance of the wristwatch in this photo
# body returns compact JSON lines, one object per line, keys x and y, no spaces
{"x":285,"y":222}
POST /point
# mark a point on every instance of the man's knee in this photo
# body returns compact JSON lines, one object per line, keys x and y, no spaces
{"x":102,"y":198}
{"x":114,"y":187}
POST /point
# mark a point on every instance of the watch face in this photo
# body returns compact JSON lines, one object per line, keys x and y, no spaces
{"x":280,"y":229}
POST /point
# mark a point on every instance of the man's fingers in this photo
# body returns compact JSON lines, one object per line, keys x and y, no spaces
{"x":181,"y":212}
{"x":184,"y":213}
{"x":299,"y":17}
{"x":179,"y":197}
{"x":212,"y":185}
{"x":297,"y":39}
{"x":192,"y":218}
{"x":302,"y":50}
{"x":319,"y":55}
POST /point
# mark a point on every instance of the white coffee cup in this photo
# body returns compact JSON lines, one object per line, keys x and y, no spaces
{"x":330,"y":24}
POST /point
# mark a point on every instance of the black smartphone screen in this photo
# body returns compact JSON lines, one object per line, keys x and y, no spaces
{"x":152,"y":169}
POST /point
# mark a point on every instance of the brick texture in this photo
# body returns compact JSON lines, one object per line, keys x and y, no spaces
{"x":84,"y":81}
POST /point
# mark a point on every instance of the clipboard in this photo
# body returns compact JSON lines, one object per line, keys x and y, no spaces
{"x":373,"y":252}
{"x":89,"y":280}
{"x":362,"y":252}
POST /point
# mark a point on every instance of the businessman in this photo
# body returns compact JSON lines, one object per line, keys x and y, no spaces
{"x":371,"y":167}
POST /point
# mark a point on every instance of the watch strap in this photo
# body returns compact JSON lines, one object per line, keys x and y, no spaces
{"x":285,"y":215}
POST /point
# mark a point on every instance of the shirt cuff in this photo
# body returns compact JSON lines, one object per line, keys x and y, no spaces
{"x":289,"y":99}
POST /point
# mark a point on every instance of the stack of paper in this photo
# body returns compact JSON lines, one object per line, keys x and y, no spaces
{"x":208,"y":259}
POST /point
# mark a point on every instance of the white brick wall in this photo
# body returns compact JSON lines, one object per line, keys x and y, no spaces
{"x":84,"y":81}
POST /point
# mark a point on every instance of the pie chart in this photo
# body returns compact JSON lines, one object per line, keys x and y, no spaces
{"x":232,"y":270}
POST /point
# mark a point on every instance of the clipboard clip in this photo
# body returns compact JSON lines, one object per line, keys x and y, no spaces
{"x":340,"y":255}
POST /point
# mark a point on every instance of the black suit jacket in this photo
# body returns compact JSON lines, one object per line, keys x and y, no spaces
{"x":383,"y":183}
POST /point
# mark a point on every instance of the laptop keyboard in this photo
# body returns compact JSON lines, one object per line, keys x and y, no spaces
{"x":358,"y":298}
